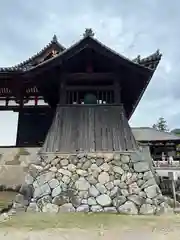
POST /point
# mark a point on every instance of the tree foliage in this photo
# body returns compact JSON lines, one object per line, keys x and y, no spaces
{"x":161,"y":125}
{"x":176,"y":131}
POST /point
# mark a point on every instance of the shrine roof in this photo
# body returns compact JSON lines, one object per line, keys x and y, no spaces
{"x":39,"y":59}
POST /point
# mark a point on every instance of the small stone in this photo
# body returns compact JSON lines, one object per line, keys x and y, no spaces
{"x":148,"y":175}
{"x":56,"y":191}
{"x":91,"y":180}
{"x":103,"y":177}
{"x":81,"y":155}
{"x":133,"y":188}
{"x":93,"y":191}
{"x":118,"y":170}
{"x":125,"y":167}
{"x":117,"y":157}
{"x":43,"y":201}
{"x":42,"y":191}
{"x":110,"y":209}
{"x":109,"y":185}
{"x":63,"y":186}
{"x":105,"y":167}
{"x":94,"y":167}
{"x":33,"y":207}
{"x":83,"y":160}
{"x":125,"y":159}
{"x":71,"y":167}
{"x":81,"y":172}
{"x":149,"y":201}
{"x":128,"y":208}
{"x":67,"y":207}
{"x":140,"y":182}
{"x":92,"y":201}
{"x":136,"y":157}
{"x":141,"y":166}
{"x":123,"y":185}
{"x":99,"y":161}
{"x":164,"y":208}
{"x":96,"y":208}
{"x":66,"y":179}
{"x":50,"y":208}
{"x":83,"y":194}
{"x":117,"y":182}
{"x":45,"y":177}
{"x":83,"y":208}
{"x":108,"y":157}
{"x":82,"y":184}
{"x":53,"y":183}
{"x":65,"y":172}
{"x":64,"y":162}
{"x":75,"y":177}
{"x":149,"y":183}
{"x":53,"y":169}
{"x":104,"y":200}
{"x":60,"y":200}
{"x":142,"y":194}
{"x":151,"y":191}
{"x":86,"y":165}
{"x":124,"y":177}
{"x":119,"y":200}
{"x":79,"y":165}
{"x":135,"y":199}
{"x":124,"y":192}
{"x":147,"y":209}
{"x":140,"y":175}
{"x":84,"y":201}
{"x":76,"y":201}
{"x":114,"y":192}
{"x":101,"y":188}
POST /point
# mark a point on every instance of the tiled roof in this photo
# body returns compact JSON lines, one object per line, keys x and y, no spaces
{"x":150,"y":62}
{"x":148,"y":134}
{"x":23,"y":66}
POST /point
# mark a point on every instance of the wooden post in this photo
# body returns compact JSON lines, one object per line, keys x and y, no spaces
{"x":173,"y":177}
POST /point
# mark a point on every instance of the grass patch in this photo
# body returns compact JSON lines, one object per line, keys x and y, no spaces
{"x":6,"y":198}
{"x":85,"y":221}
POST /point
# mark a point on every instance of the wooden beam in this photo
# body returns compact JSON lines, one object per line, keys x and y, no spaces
{"x":86,"y":88}
{"x":90,"y":76}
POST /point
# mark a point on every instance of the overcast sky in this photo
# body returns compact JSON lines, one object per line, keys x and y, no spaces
{"x":129,"y":27}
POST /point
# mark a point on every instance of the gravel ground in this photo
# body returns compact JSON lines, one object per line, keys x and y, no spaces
{"x":77,"y":234}
{"x":90,"y":227}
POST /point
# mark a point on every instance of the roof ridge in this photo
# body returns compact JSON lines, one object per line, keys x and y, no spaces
{"x":100,"y":43}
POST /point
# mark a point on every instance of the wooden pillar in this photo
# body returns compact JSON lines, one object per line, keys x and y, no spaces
{"x":62,"y":97}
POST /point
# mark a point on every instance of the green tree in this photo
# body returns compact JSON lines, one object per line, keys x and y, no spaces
{"x":161,"y":125}
{"x":176,"y":131}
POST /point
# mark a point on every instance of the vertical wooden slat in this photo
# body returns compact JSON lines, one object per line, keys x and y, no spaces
{"x":89,"y":128}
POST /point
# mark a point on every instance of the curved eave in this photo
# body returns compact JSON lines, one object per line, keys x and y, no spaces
{"x":19,"y":66}
{"x":94,"y":44}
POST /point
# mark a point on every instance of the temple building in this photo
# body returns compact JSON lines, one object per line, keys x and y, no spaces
{"x":89,"y":93}
{"x":161,"y":144}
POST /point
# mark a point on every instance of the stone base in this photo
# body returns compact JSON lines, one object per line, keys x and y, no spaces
{"x":94,"y":182}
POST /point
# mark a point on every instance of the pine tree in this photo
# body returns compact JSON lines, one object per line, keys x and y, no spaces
{"x":161,"y":125}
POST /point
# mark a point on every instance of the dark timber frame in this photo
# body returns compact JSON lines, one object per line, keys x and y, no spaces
{"x":56,"y":75}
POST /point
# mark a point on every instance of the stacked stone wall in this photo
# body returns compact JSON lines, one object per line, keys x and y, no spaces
{"x":94,"y":182}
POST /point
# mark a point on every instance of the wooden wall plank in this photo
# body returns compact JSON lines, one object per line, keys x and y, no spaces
{"x":89,"y":128}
